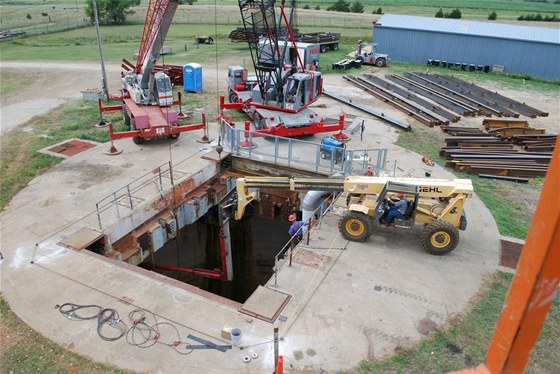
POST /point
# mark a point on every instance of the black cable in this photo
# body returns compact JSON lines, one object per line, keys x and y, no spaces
{"x":110,"y":317}
{"x":70,"y":310}
{"x":105,"y":317}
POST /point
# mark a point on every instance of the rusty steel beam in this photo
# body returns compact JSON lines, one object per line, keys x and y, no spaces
{"x":522,"y":108}
{"x":475,"y":110}
{"x":462,"y":164}
{"x":475,"y":139}
{"x":476,"y":130}
{"x":448,"y":115}
{"x":469,"y":94}
{"x":540,"y":158}
{"x":407,"y":105}
{"x":539,"y":148}
{"x":483,"y":152}
{"x":499,"y":123}
{"x":504,"y":163}
{"x":433,"y":95}
{"x":458,"y":94}
{"x":498,"y":170}
{"x":363,"y":108}
{"x":425,"y":120}
{"x":511,"y":131}
{"x":498,"y":145}
{"x":504,"y":178}
{"x":412,"y":106}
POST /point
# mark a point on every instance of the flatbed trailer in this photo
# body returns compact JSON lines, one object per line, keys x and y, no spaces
{"x":325,"y":40}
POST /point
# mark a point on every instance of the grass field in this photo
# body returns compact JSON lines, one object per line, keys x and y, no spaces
{"x":35,"y":16}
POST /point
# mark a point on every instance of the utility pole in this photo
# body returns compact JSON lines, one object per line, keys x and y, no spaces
{"x":104,"y":78}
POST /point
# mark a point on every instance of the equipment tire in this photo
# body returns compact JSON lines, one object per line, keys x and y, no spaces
{"x":233,"y":97}
{"x":135,"y":139}
{"x":334,"y":47}
{"x":439,"y":237}
{"x":322,"y":48}
{"x":380,"y":62}
{"x":126,"y":117}
{"x":355,"y":226}
{"x":257,"y":121}
{"x":323,"y":155}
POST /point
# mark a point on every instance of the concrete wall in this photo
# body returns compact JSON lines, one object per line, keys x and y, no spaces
{"x":521,"y":57}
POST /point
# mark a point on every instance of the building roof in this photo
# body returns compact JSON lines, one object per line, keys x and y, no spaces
{"x":475,"y":28}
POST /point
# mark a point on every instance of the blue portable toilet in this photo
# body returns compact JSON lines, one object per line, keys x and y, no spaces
{"x":192,"y":77}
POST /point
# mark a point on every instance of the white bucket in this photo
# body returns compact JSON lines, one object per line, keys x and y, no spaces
{"x":235,"y":337}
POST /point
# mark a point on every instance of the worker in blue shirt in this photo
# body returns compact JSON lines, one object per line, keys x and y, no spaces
{"x":397,"y":210}
{"x":296,"y":228}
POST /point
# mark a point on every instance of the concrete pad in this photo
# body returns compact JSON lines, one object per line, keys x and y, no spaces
{"x":350,"y":301}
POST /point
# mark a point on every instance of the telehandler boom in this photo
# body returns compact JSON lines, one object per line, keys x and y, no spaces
{"x":436,"y":203}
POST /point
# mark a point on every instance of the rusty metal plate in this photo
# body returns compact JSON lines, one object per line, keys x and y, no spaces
{"x":81,"y":238}
{"x":509,"y":253}
{"x":265,"y":304}
{"x":72,"y":147}
{"x":311,"y":259}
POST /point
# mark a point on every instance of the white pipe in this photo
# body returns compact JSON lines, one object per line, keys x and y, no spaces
{"x":310,"y":203}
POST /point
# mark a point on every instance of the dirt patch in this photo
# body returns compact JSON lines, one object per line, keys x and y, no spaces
{"x":426,"y":326}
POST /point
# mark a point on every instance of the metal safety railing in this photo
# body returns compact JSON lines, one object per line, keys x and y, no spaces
{"x":303,"y":154}
{"x":287,"y":249}
{"x":124,"y":199}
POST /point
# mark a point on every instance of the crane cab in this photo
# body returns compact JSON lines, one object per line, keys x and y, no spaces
{"x":237,"y":78}
{"x":302,"y":89}
{"x":163,"y":89}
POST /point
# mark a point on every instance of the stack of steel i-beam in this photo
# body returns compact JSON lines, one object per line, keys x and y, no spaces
{"x":505,"y":149}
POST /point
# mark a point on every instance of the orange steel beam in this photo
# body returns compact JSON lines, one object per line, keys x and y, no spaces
{"x":534,"y":286}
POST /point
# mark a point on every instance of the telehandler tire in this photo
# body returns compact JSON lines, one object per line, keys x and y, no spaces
{"x":439,"y":237}
{"x":355,"y":226}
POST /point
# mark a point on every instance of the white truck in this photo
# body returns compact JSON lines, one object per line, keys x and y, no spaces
{"x":373,"y":57}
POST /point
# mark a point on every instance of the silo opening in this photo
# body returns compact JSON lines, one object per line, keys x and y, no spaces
{"x":254,"y":240}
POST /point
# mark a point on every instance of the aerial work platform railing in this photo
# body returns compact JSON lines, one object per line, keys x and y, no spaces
{"x":302,"y":154}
